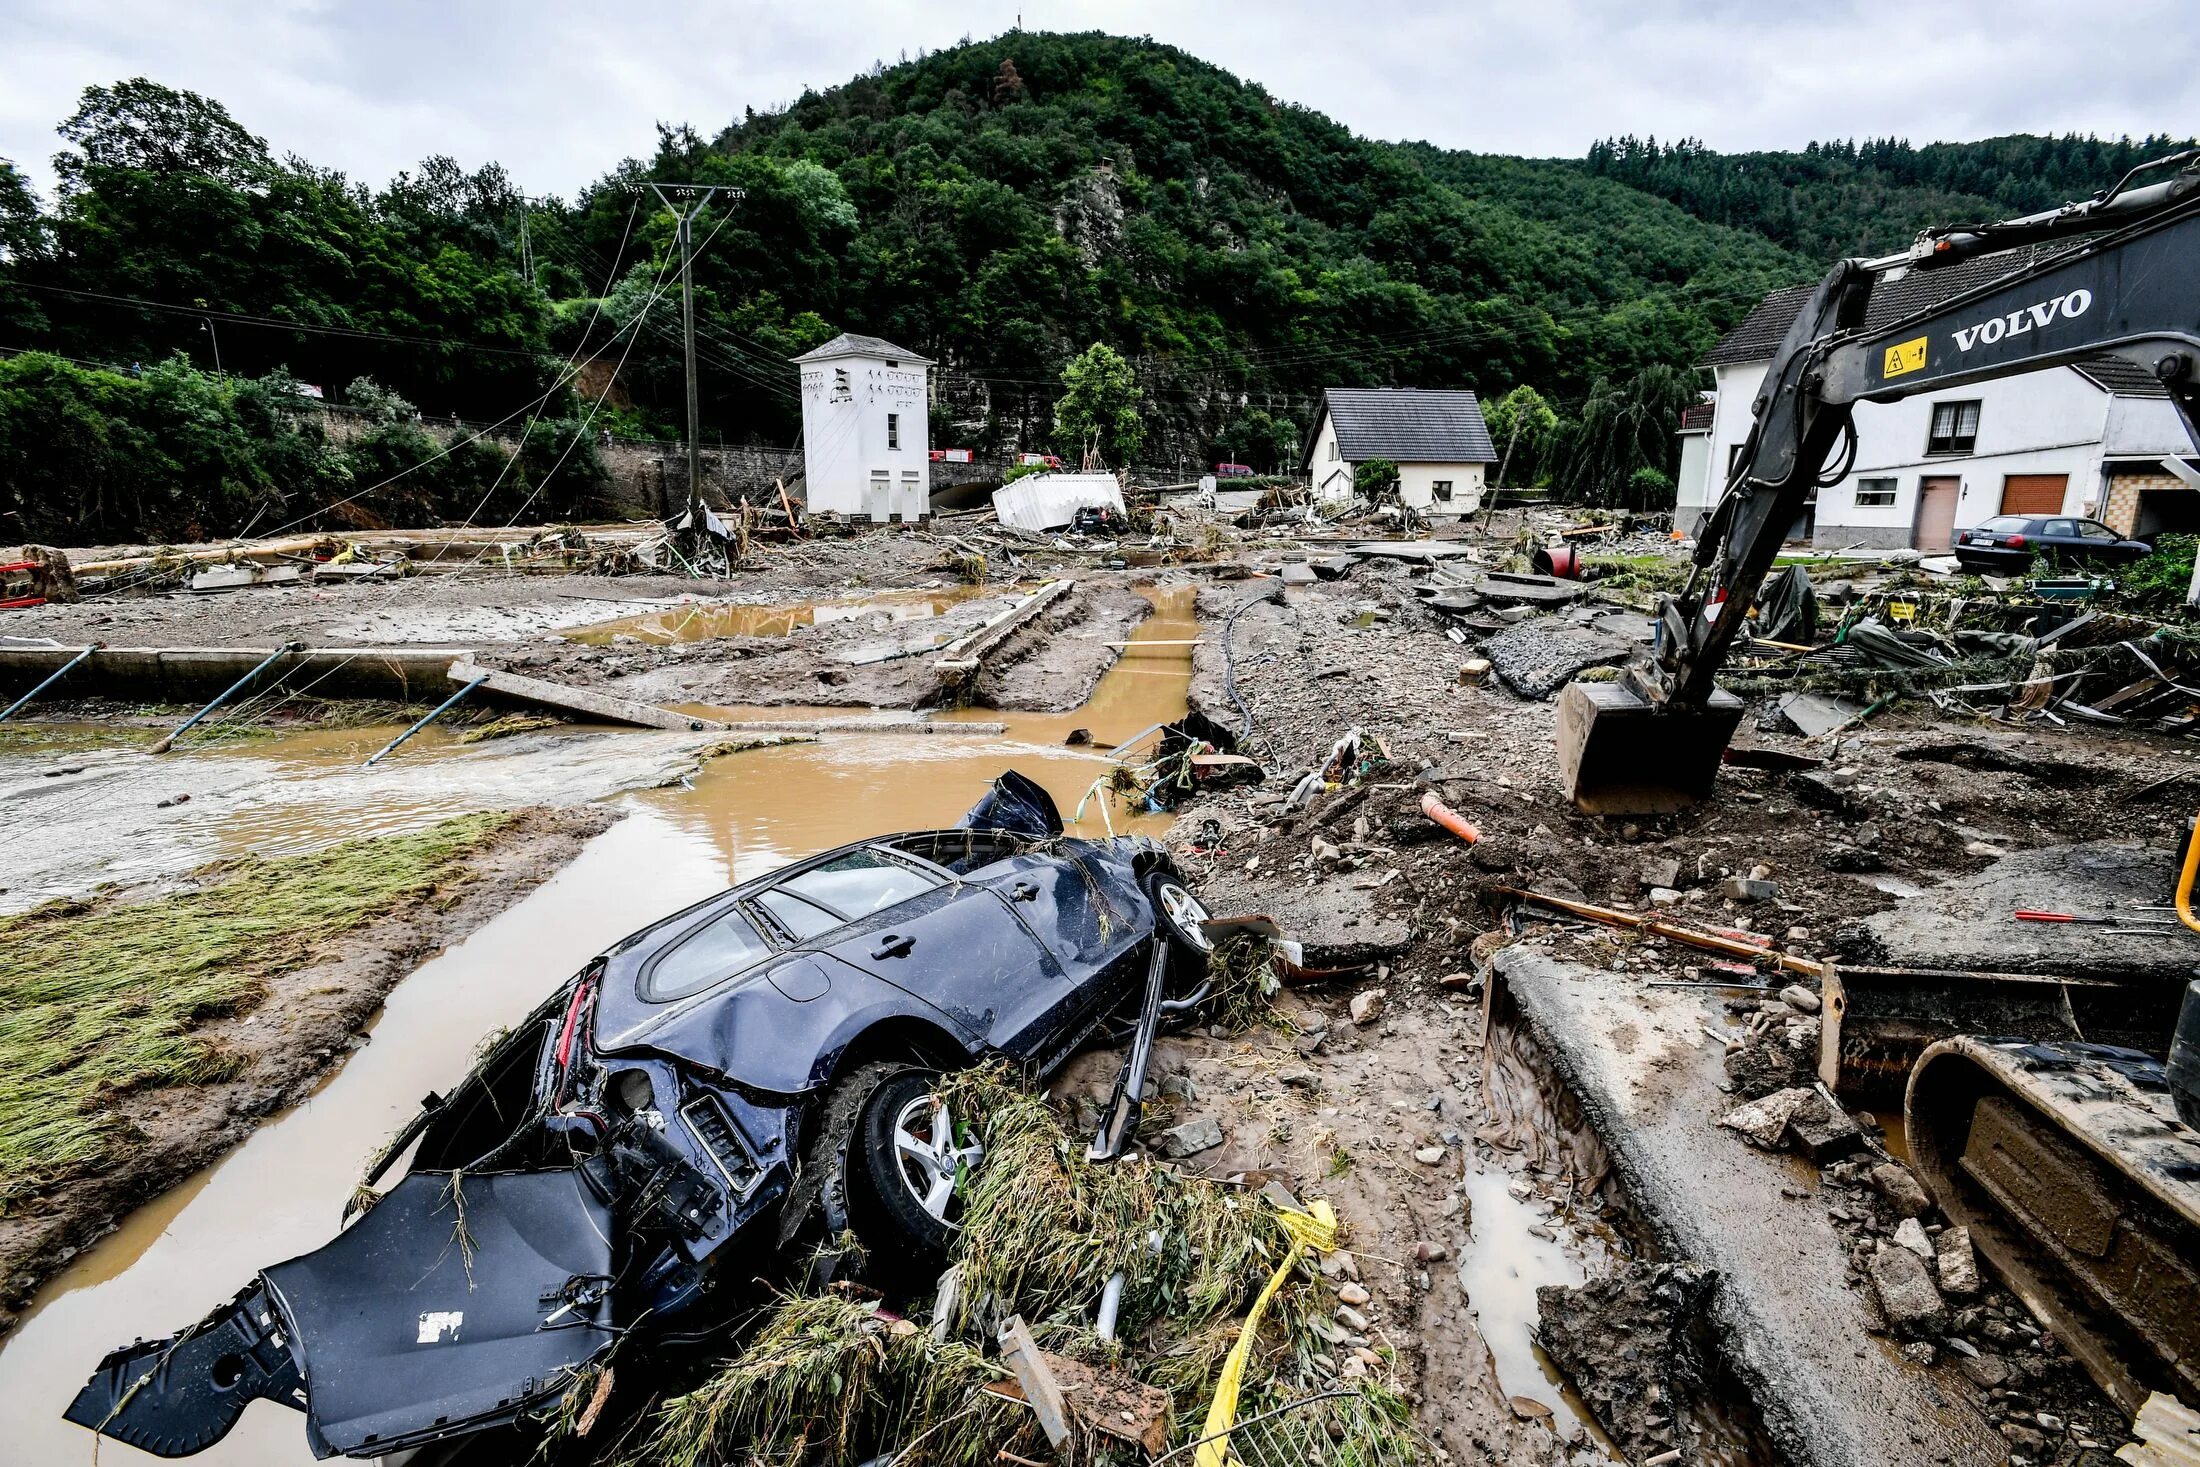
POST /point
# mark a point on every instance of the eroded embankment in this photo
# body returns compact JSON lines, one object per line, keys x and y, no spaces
{"x":145,"y":1035}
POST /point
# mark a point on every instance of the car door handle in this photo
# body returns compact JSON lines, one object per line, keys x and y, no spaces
{"x":1024,"y":891}
{"x":893,"y":946}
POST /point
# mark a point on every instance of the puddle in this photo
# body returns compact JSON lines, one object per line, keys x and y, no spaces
{"x":1500,"y":1272}
{"x":702,"y":622}
{"x":281,"y":1192}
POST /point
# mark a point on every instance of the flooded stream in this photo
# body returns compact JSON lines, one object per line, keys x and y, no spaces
{"x":281,"y":1192}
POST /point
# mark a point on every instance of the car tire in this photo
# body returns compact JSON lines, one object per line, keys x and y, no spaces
{"x":904,"y":1179}
{"x":1177,"y":916}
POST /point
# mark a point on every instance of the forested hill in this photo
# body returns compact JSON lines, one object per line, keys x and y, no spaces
{"x":1850,"y":198}
{"x":1000,"y":207}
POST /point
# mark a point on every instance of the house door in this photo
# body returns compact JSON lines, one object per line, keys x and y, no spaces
{"x":877,"y":499}
{"x":2033,"y":493}
{"x":1936,"y":514}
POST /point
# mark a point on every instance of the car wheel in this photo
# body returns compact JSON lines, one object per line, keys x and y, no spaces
{"x":910,"y":1155}
{"x":1177,"y":917}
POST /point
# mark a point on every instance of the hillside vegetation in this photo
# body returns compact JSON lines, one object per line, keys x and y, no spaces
{"x":1001,"y":207}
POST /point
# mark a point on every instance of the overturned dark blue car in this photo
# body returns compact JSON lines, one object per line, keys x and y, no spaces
{"x":710,"y":1104}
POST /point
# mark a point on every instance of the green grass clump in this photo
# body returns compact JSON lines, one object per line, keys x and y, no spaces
{"x":100,"y":997}
{"x":1045,"y":1227}
{"x":831,"y":1379}
{"x":2158,"y":582}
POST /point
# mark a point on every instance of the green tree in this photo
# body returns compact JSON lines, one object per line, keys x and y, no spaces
{"x":1375,"y":478}
{"x":1097,"y":416}
{"x":1523,"y":427}
{"x":1627,"y":424}
{"x":140,"y":126}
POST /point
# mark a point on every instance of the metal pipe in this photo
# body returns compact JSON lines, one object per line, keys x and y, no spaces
{"x":425,"y":719}
{"x":50,"y":681}
{"x":1111,"y":1303}
{"x":230,"y":692}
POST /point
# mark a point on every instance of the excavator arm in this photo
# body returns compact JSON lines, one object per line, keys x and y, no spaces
{"x":2128,"y":285}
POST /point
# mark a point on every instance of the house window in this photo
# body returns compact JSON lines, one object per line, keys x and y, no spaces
{"x":1955,"y":427}
{"x":1874,"y":493}
{"x":1332,"y":450}
{"x":1442,"y":488}
{"x":893,"y":430}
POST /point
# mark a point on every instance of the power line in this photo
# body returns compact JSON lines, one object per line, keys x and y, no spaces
{"x":277,"y":323}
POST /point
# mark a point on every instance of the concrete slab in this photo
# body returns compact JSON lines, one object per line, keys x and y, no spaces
{"x":1537,"y":658}
{"x":1966,"y":923}
{"x":1829,"y":1393}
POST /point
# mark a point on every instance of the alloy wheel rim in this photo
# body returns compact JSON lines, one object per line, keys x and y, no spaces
{"x":1185,"y":911}
{"x":926,"y":1156}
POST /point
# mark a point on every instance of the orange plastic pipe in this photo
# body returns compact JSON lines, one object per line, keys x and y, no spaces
{"x":1458,"y":825}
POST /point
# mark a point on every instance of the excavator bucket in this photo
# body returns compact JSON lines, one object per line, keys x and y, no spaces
{"x":1618,"y":754}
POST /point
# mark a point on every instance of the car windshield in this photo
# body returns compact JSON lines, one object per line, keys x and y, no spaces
{"x":2007,"y":524}
{"x":858,"y":884}
{"x":718,"y":949}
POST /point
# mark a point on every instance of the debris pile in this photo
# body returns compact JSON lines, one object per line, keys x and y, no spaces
{"x":1169,"y":1261}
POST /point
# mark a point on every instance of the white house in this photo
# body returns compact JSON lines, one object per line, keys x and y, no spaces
{"x":866,"y":442}
{"x":1436,"y":438}
{"x":2099,"y":438}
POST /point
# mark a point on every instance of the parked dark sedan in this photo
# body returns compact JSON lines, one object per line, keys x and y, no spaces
{"x":703,"y":1105}
{"x":2008,"y":544}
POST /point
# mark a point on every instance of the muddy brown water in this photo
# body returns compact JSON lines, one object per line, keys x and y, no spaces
{"x":281,"y":1192}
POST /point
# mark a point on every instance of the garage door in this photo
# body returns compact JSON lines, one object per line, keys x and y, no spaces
{"x":2033,"y":493}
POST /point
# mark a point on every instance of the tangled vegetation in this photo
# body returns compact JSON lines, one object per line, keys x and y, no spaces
{"x":827,"y":1379}
{"x":101,"y":997}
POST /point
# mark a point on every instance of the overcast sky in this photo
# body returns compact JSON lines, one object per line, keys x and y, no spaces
{"x":560,"y":91}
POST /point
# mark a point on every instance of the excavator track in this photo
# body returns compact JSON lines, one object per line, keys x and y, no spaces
{"x":2081,"y":1187}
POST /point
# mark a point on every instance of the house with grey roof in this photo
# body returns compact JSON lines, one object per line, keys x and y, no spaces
{"x":866,"y":435}
{"x":2098,"y":438}
{"x":1436,"y":438}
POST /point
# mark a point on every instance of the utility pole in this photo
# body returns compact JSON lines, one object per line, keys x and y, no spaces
{"x":684,"y":201}
{"x":208,"y":323}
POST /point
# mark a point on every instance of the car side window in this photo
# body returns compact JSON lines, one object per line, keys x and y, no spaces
{"x":2063,"y":528}
{"x":804,"y":920}
{"x":2095,"y":530}
{"x":717,"y":950}
{"x":858,"y":883}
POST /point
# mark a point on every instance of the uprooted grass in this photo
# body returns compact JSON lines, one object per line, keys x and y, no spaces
{"x":830,"y":1379}
{"x":827,"y":1380}
{"x":1243,"y":970}
{"x":100,"y":997}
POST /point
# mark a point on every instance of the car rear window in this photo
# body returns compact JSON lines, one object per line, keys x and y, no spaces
{"x":803,"y":920}
{"x":2005,"y":524}
{"x":858,"y":884}
{"x":717,"y":950}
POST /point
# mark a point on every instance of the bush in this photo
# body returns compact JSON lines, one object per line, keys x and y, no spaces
{"x":2158,"y":583}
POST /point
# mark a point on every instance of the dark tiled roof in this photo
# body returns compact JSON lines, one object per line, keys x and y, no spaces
{"x":2120,"y":378}
{"x":1759,"y":334}
{"x":1696,"y":418}
{"x":848,"y":344}
{"x":1406,"y":425}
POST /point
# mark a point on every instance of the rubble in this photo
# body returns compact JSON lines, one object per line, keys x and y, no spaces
{"x":1906,"y":1292}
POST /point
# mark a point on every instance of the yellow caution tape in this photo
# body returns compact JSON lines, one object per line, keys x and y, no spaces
{"x":1314,"y":1230}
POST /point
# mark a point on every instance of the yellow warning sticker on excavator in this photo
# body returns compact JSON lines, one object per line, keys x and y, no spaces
{"x":1905,"y":356}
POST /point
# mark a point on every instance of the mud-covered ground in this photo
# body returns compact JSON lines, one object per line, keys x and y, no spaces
{"x":1400,"y":1116}
{"x":280,"y":1046}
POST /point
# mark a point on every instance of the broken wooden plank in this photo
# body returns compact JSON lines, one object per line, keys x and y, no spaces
{"x":604,"y":707}
{"x":961,"y":657}
{"x":1021,"y":1354}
